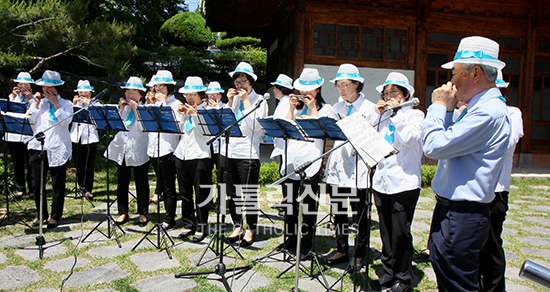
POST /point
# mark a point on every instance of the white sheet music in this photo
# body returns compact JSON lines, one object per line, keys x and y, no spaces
{"x":369,"y":144}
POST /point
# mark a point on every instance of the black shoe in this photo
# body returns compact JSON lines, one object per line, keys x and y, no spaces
{"x":235,"y":238}
{"x":401,"y":287}
{"x":340,"y":260}
{"x":288,"y":245}
{"x":381,"y":284}
{"x":52,"y":224}
{"x":143,"y":223}
{"x":245,"y":243}
{"x":187,"y":232}
{"x":37,"y":223}
{"x":199,"y":238}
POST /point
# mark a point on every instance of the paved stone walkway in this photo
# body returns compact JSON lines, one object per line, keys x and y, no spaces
{"x":99,"y":259}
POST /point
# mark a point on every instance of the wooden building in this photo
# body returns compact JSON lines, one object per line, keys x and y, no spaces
{"x":415,"y":35}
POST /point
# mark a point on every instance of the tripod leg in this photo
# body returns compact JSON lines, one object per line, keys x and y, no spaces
{"x":225,"y":283}
{"x":113,"y":226}
{"x":164,"y":234}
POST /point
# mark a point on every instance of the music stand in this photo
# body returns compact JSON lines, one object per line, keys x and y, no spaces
{"x":81,"y":116}
{"x":212,"y":121}
{"x":107,"y":118}
{"x":285,"y":129}
{"x":16,"y":123}
{"x":158,"y":119}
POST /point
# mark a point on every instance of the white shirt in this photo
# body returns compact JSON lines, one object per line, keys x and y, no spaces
{"x":517,"y":132}
{"x":280,"y":112}
{"x":57,"y":140}
{"x":344,"y":168}
{"x":168,"y":141}
{"x":84,"y":133}
{"x":192,"y":144}
{"x":12,"y":137}
{"x":300,"y":152}
{"x":129,"y":146}
{"x":401,"y":172}
{"x":248,"y":146}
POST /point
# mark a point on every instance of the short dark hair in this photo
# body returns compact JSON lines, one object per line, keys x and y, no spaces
{"x":284,"y":90}
{"x":170,"y":88}
{"x":319,"y":101}
{"x":403,"y":90}
{"x":141,"y":92}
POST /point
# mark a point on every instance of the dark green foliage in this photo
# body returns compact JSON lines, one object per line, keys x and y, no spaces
{"x":269,"y":173}
{"x":427,"y":174}
{"x":187,"y":29}
{"x":237,"y":43}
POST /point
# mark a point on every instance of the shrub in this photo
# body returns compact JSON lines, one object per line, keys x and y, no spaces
{"x":237,"y":43}
{"x":187,"y":29}
{"x":269,"y":173}
{"x":427,"y":174}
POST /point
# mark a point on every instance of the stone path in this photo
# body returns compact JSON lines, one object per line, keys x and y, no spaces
{"x":99,"y":259}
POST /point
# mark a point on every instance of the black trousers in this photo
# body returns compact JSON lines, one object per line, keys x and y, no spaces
{"x":457,"y":236}
{"x":59,"y":177}
{"x":492,"y":259}
{"x":339,"y":201}
{"x":166,"y":176}
{"x":84,"y":158}
{"x":142,"y":187}
{"x":309,"y":194}
{"x":396,"y":213}
{"x":191,"y":175}
{"x":20,"y":156}
{"x":246,"y":174}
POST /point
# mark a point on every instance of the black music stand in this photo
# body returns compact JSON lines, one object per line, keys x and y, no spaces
{"x":107,"y":118}
{"x":81,"y":116}
{"x":285,"y":129}
{"x":213,"y":120}
{"x":16,"y":123}
{"x":158,"y":119}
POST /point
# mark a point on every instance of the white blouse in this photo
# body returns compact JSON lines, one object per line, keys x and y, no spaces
{"x":84,"y":133}
{"x":192,"y":144}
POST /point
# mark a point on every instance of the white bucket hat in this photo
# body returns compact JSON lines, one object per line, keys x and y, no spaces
{"x":192,"y":84}
{"x":284,"y":81}
{"x":397,"y":79}
{"x":348,"y":71}
{"x":476,"y":50}
{"x":24,"y":77}
{"x":150,"y":83}
{"x":214,"y":87}
{"x":134,"y":83}
{"x":84,"y":85}
{"x":50,"y":78}
{"x":309,"y":80}
{"x":500,"y":81}
{"x":244,"y":67}
{"x":162,"y":77}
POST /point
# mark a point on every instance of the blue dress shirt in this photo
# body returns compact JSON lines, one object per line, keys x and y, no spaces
{"x":470,"y":151}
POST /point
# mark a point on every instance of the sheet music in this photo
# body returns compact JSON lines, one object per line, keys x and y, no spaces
{"x":369,"y":144}
{"x":18,"y":123}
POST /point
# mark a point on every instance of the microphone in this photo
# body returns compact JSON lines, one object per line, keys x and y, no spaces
{"x":99,"y":95}
{"x":413,"y":102}
{"x":266,"y":96}
{"x":262,"y":99}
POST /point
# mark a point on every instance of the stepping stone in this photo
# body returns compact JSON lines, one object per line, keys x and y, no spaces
{"x":545,"y":253}
{"x":538,"y":220}
{"x":114,"y":250}
{"x":2,"y":258}
{"x":429,"y":272}
{"x":313,"y":285}
{"x":65,"y":264}
{"x":508,"y":231}
{"x":210,"y":259}
{"x":106,"y":290}
{"x":188,"y":244}
{"x":46,"y":290}
{"x":533,"y":240}
{"x":14,"y":277}
{"x":510,"y":256}
{"x":538,"y":230}
{"x":541,"y":197}
{"x":17,"y":239}
{"x":523,"y":202}
{"x":94,"y":238}
{"x":513,"y":207}
{"x":243,"y":281}
{"x":153,"y":261}
{"x":31,"y":253}
{"x":512,"y":273}
{"x":513,"y":287}
{"x":419,"y":226}
{"x":425,"y":200}
{"x":102,"y":274}
{"x":423,"y":214}
{"x":511,"y":222}
{"x":546,"y":188}
{"x":513,"y":187}
{"x":541,"y":208}
{"x":168,"y":282}
{"x":505,"y":242}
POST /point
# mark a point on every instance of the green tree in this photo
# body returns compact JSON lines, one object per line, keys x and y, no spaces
{"x":187,"y":29}
{"x":36,"y":35}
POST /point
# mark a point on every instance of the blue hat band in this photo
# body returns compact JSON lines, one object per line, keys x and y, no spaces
{"x":473,"y":55}
{"x":313,"y":82}
{"x":196,"y":87}
{"x":24,"y":79}
{"x":51,"y":81}
{"x":134,"y":85}
{"x":500,"y":81}
{"x":394,"y":82}
{"x":348,"y":75}
{"x":163,"y":79}
{"x":85,"y":87}
{"x":240,"y":69}
{"x":214,"y":89}
{"x":282,"y":83}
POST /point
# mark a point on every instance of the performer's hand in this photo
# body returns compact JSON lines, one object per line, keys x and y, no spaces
{"x":380,"y":106}
{"x":52,"y":97}
{"x":37,"y":98}
{"x":213,"y":102}
{"x":445,"y":95}
{"x":293,"y":101}
{"x":231,"y":95}
{"x":150,"y":97}
{"x":122,"y":103}
{"x":132,"y":103}
{"x":181,"y":109}
{"x":243,"y":94}
{"x":190,"y":109}
{"x":309,"y":101}
{"x":26,"y":92}
{"x":76,"y":99}
{"x":15,"y":91}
